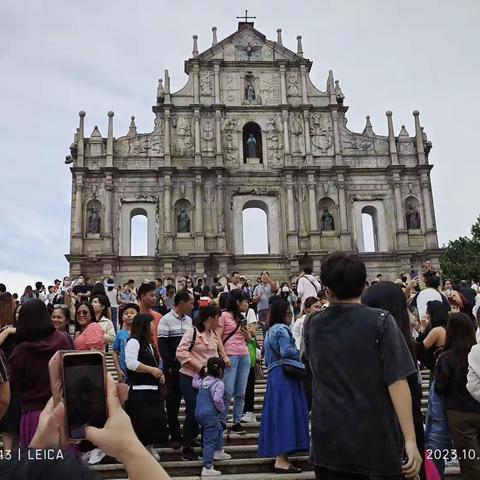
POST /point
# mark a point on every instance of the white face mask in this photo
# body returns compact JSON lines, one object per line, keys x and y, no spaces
{"x":285,"y":290}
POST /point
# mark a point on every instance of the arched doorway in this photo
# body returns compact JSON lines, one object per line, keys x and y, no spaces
{"x":255,"y":230}
{"x":370,"y":229}
{"x":138,"y":233}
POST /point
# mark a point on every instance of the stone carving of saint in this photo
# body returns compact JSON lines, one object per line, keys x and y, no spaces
{"x":208,"y":136}
{"x":328,"y":222}
{"x":296,"y":128}
{"x":206,"y":84}
{"x":250,"y":93}
{"x":93,"y":221}
{"x":183,"y":221}
{"x":160,"y":92}
{"x":251,"y":146}
{"x":413,"y":217}
{"x":292,"y":84}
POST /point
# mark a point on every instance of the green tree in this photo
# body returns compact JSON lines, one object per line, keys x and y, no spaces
{"x":461,"y":258}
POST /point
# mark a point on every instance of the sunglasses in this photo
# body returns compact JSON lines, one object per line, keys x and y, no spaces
{"x":83,"y":312}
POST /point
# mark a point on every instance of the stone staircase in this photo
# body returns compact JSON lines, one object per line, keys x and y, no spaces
{"x":245,"y":464}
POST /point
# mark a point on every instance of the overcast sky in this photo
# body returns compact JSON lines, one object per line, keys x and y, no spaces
{"x":58,"y":57}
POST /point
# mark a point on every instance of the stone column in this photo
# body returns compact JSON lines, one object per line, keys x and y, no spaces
{"x":107,"y":221}
{"x":196,"y":84}
{"x":306,"y":128}
{"x":283,"y":85}
{"x":419,"y":139}
{"x":167,"y":155}
{"x":218,"y":138}
{"x":345,"y":239}
{"x":222,"y":246}
{"x":290,"y":205}
{"x":198,"y":147}
{"x":286,"y":138}
{"x":167,"y":209}
{"x":81,"y":140}
{"x":312,"y":207}
{"x":402,"y":235}
{"x":77,"y":237}
{"x":336,"y":140}
{"x":199,"y":235}
{"x":109,"y":163}
{"x":303,"y":75}
{"x":216,"y":74}
{"x":391,"y":139}
{"x":431,"y":233}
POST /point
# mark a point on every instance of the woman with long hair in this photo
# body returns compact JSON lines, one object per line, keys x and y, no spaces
{"x":390,"y":296}
{"x":89,"y":335}
{"x":28,"y":295}
{"x":463,"y":411}
{"x":37,"y":342}
{"x":61,"y":321}
{"x":284,"y":394}
{"x":234,"y":336}
{"x":100,"y":306}
{"x":311,"y":305}
{"x":145,"y":404}
{"x":10,"y":423}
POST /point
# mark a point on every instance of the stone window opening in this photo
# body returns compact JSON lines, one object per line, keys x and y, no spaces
{"x":138,"y":233}
{"x":252,"y":143}
{"x":255,"y":228}
{"x":370,"y":229}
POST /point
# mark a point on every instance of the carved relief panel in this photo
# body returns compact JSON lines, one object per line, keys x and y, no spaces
{"x":182,"y":137}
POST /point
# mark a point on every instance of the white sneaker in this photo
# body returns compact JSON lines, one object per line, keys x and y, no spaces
{"x":221,"y":455}
{"x":248,"y":417}
{"x":153,"y":452}
{"x":210,"y":472}
{"x":96,"y":456}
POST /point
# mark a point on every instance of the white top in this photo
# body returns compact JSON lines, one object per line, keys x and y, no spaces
{"x":297,"y":330}
{"x":251,"y":316}
{"x":112,"y":296}
{"x":425,"y":296}
{"x":307,"y":286}
{"x":473,"y":375}
{"x":131,"y":360}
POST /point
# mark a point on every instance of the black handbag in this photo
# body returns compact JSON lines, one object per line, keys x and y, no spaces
{"x":295,"y":373}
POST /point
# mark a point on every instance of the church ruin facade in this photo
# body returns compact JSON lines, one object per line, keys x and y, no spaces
{"x":249,"y":130}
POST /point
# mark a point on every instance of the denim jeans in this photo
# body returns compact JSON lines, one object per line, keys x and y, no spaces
{"x":235,"y":380}
{"x":190,"y":425}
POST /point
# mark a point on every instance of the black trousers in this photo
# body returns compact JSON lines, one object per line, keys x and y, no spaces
{"x":190,"y":426}
{"x":307,"y":385}
{"x":250,"y":392}
{"x":322,"y":473}
{"x":172,"y":403}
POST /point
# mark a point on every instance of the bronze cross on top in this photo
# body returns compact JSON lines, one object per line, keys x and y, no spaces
{"x":246,"y":16}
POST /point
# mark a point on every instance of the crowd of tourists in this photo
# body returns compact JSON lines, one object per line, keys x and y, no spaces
{"x":340,"y":354}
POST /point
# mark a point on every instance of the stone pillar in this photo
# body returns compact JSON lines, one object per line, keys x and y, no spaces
{"x":431,"y":233}
{"x":81,"y":140}
{"x":109,"y":163}
{"x":312,"y":208}
{"x":336,"y":140}
{"x":306,"y":128}
{"x":419,"y":139}
{"x":77,"y":237}
{"x":391,"y":139}
{"x":303,"y":75}
{"x":218,"y":138}
{"x":107,"y":221}
{"x":167,"y":154}
{"x":167,"y":209}
{"x":216,"y":74}
{"x":222,"y":245}
{"x":402,"y":234}
{"x":199,"y":235}
{"x":196,"y":84}
{"x":283,"y":85}
{"x":198,"y":147}
{"x":345,"y":238}
{"x":286,"y":138}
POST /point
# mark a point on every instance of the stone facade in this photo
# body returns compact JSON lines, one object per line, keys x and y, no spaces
{"x":249,"y":129}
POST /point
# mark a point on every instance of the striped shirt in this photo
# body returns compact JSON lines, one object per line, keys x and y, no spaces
{"x":173,"y":325}
{"x":3,"y":369}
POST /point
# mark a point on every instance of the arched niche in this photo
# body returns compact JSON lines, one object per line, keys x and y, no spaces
{"x":183,"y":211}
{"x":252,"y":143}
{"x":255,"y":228}
{"x":412,"y":213}
{"x":129,"y":210}
{"x":269,"y":205}
{"x":93,"y":218}
{"x":327,"y":215}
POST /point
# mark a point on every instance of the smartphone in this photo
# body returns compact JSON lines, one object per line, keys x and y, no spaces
{"x":243,"y":323}
{"x":84,"y":392}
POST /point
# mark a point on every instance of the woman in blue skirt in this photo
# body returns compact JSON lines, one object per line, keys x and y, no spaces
{"x":284,"y":424}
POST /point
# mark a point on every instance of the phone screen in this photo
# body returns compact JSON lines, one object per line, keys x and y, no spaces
{"x":84,"y":393}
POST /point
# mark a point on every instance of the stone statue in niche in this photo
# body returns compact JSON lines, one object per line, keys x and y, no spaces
{"x":296,"y":128}
{"x":413,"y":217}
{"x":94,"y":222}
{"x":251,"y":146}
{"x":249,"y":93}
{"x":328,"y":222}
{"x":183,"y":221}
{"x":206,"y":84}
{"x":292,"y":84}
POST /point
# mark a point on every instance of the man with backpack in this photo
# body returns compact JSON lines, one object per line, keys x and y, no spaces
{"x":307,"y":286}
